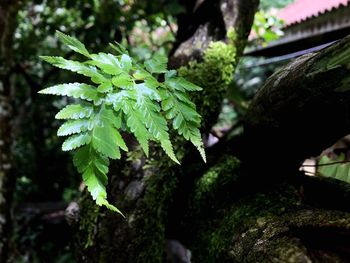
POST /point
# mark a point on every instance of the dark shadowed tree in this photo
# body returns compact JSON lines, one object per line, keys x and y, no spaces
{"x":8,"y":12}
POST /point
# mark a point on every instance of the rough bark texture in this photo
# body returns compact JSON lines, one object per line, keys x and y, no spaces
{"x":257,"y":208}
{"x":301,"y":110}
{"x":8,"y":11}
{"x":266,"y":211}
{"x":146,"y":194}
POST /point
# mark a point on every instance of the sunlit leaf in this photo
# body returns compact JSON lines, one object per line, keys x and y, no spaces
{"x":126,"y":97}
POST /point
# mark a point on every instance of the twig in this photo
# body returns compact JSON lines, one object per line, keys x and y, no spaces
{"x":324,"y":164}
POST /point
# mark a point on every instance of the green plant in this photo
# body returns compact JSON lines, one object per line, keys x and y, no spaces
{"x":335,"y":167}
{"x":266,"y":27}
{"x":123,"y":96}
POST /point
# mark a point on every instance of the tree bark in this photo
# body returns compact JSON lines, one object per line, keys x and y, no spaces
{"x":257,"y":208}
{"x":301,"y":110}
{"x":146,"y":195}
{"x":274,"y":214}
{"x":8,"y":11}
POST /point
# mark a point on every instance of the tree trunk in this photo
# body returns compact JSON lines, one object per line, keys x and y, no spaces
{"x":254,"y":208}
{"x":8,"y":12}
{"x":266,"y":211}
{"x":302,"y":109}
{"x":146,"y":195}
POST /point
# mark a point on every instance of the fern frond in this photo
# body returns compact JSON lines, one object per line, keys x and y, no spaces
{"x":76,"y":141}
{"x":156,"y":125}
{"x":127,"y":96}
{"x":105,"y":138}
{"x":75,"y":111}
{"x":76,"y":66}
{"x":138,"y":128}
{"x":122,"y":80}
{"x":157,"y":64}
{"x":105,"y":87}
{"x":179,"y":83}
{"x":94,"y":169}
{"x":73,"y":43}
{"x":119,"y":48}
{"x":75,"y":90}
{"x":144,"y":91}
{"x":119,"y":100}
{"x":185,"y":118}
{"x":73,"y":126}
{"x":107,"y":63}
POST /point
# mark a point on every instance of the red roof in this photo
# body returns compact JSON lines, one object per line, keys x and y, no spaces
{"x":303,"y":9}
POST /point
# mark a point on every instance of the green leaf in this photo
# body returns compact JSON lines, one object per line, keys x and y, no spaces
{"x":95,"y":181}
{"x":151,"y":82}
{"x":105,"y":138}
{"x":168,"y":148}
{"x":75,"y":111}
{"x":141,"y":74}
{"x":332,"y":168}
{"x":126,"y":62}
{"x":143,"y":91}
{"x":81,"y":158}
{"x":109,"y":206}
{"x":197,"y":141}
{"x":119,"y":48}
{"x":156,"y":124}
{"x":157,"y":64}
{"x":173,"y":106}
{"x":73,"y":126}
{"x":170,"y":74}
{"x":73,"y":43}
{"x":105,"y":87}
{"x":107,"y":63}
{"x":328,"y":170}
{"x":184,"y":98}
{"x":343,"y":172}
{"x":119,"y":120}
{"x":119,"y":100}
{"x":122,"y":80}
{"x":185,"y":118}
{"x":138,"y":128}
{"x":94,"y":169}
{"x":189,"y":113}
{"x":76,"y":141}
{"x":75,"y":90}
{"x":75,"y":66}
{"x":179,"y":83}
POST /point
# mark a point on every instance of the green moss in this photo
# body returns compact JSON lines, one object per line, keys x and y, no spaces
{"x":207,"y":181}
{"x":88,"y":222}
{"x":213,"y":74}
{"x":150,"y":221}
{"x":152,"y":236}
{"x":216,"y":178}
{"x":247,"y":217}
{"x":231,"y":36}
{"x":212,"y":193}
